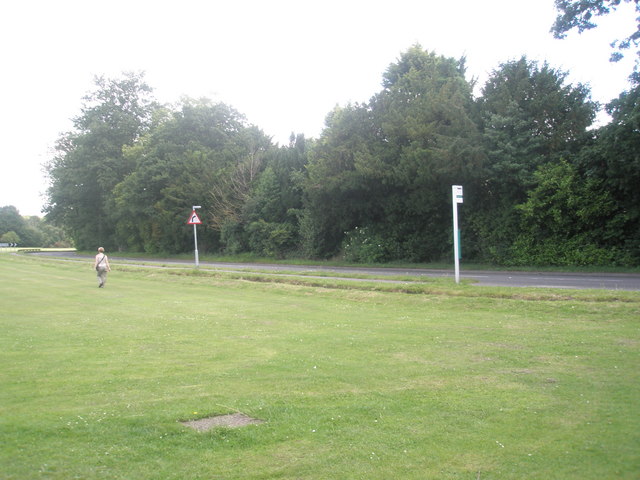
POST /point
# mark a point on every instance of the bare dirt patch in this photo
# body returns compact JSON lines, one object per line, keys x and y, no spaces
{"x":234,"y":420}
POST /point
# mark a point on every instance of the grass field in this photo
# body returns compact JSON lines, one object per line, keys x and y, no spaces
{"x":452,"y":382}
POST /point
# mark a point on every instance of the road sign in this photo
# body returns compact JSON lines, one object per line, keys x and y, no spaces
{"x":194,"y":219}
{"x":457,"y":193}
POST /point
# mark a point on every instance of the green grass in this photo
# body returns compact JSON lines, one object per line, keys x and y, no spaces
{"x":450,"y":382}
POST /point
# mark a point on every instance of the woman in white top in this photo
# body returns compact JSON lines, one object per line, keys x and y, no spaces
{"x":101,"y":265}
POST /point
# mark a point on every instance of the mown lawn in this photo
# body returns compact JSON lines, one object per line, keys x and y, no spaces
{"x":351,"y":383}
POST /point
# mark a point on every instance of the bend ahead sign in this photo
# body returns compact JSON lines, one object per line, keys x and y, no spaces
{"x":194,"y":219}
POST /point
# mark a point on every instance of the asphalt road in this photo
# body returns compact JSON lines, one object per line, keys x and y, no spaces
{"x":556,"y":280}
{"x":604,"y":281}
{"x":481,"y":278}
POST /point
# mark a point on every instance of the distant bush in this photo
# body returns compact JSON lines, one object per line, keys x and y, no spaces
{"x":360,"y":245}
{"x":573,"y":252}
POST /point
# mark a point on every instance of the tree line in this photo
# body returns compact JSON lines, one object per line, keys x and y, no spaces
{"x":541,"y":186}
{"x":30,"y":231}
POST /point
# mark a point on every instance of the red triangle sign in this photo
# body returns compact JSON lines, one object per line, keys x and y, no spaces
{"x":194,"y":219}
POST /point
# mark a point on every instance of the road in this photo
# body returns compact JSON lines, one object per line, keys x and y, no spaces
{"x":556,"y":280}
{"x":604,"y":281}
{"x":481,"y":278}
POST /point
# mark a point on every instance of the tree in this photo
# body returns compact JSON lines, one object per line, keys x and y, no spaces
{"x":613,"y":158}
{"x":89,"y":161}
{"x":10,"y":237}
{"x":336,"y":195}
{"x":568,"y":219}
{"x":47,"y":235}
{"x":187,"y":157}
{"x":278,"y":195}
{"x":620,"y":143}
{"x":425,"y":112}
{"x":387,"y":166}
{"x":18,"y":228}
{"x":579,"y":14}
{"x":271,"y":214}
{"x":10,"y":220}
{"x":32,"y":231}
{"x":528,"y":117}
{"x":232,"y":191}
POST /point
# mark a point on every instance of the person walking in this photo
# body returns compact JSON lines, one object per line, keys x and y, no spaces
{"x":101,"y":266}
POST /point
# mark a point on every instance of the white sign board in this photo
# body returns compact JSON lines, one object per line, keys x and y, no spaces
{"x":457,"y":193}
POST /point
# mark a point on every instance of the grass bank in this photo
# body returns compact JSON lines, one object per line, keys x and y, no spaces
{"x":350,"y":381}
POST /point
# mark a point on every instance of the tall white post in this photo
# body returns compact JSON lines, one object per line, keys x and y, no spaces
{"x":456,"y":197}
{"x":195,"y":220}
{"x":195,"y":239}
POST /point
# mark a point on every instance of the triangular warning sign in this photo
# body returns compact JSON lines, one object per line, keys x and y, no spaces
{"x":194,"y":219}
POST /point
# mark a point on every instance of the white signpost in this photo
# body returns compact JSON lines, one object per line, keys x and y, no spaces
{"x":456,"y":196}
{"x":195,"y":220}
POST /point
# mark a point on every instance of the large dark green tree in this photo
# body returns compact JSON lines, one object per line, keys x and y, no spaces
{"x":387,"y":167}
{"x":337,"y":195}
{"x":270,"y":219}
{"x":528,"y":117}
{"x":528,"y":114}
{"x":89,"y":161}
{"x":425,"y":112}
{"x":187,"y":159}
{"x":612,"y":158}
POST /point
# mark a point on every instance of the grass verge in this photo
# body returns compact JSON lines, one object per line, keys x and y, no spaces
{"x":352,"y":380}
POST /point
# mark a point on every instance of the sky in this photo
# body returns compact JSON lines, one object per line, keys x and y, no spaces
{"x":284,"y":64}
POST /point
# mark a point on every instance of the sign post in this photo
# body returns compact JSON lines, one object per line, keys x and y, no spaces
{"x":456,"y":195}
{"x":195,"y":220}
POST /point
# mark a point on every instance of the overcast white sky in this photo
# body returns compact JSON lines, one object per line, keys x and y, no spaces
{"x":283,"y":63}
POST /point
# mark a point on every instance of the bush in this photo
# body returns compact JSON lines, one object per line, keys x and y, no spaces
{"x":233,"y":237}
{"x":362,"y":246}
{"x":10,"y":237}
{"x":271,"y":239}
{"x":572,"y":252}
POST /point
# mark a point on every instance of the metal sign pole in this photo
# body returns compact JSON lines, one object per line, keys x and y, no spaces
{"x":456,"y":196}
{"x":195,"y":239}
{"x":195,"y":220}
